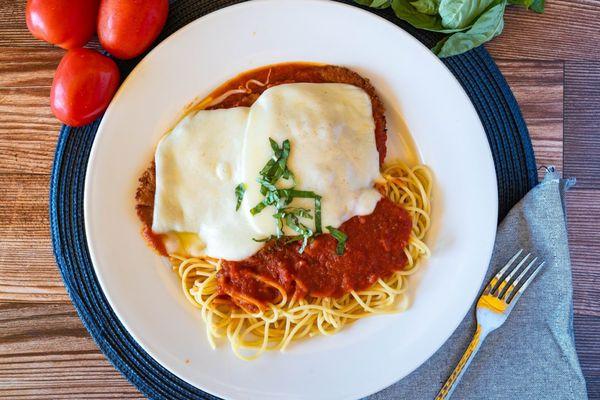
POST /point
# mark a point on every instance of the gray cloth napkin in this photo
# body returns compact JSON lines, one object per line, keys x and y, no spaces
{"x":532,"y":356}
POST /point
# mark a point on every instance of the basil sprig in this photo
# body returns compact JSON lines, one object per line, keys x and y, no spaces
{"x":276,"y":169}
{"x":469,"y":23}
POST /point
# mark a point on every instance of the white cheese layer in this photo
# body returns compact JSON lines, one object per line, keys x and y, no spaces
{"x":333,"y":153}
{"x":200,"y":163}
{"x":196,"y":175}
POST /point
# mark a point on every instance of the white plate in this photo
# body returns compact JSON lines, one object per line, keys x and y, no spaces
{"x":421,"y":96}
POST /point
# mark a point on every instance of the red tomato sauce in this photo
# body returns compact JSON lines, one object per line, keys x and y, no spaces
{"x":374,"y":249}
{"x":154,"y":240}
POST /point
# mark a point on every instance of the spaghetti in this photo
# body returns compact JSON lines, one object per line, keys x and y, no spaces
{"x":275,"y":326}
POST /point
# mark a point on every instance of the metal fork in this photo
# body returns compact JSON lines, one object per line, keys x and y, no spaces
{"x":494,"y":306}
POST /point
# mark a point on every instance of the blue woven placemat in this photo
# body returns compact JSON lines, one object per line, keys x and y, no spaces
{"x":476,"y":71}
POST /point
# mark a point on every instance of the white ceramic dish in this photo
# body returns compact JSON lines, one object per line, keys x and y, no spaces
{"x":430,"y":118}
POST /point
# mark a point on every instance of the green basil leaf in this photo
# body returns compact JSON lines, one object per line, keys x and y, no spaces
{"x":264,"y":239}
{"x":259,"y":207}
{"x":535,"y":5}
{"x":538,"y":6}
{"x":304,"y":231}
{"x":405,"y":11}
{"x":239,"y":194}
{"x":341,"y":238}
{"x":429,"y":7}
{"x":485,"y":28}
{"x":275,"y":148}
{"x":438,"y":47}
{"x":374,"y":3}
{"x":292,"y":239}
{"x":292,"y":221}
{"x":279,"y":227}
{"x":304,"y":243}
{"x":267,"y":185}
{"x":301,"y":194}
{"x":301,"y":212}
{"x":458,"y":14}
{"x":275,"y":169}
{"x":318,"y":227}
{"x":524,"y":3}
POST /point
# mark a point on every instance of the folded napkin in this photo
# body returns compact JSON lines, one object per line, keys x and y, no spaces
{"x":532,"y":356}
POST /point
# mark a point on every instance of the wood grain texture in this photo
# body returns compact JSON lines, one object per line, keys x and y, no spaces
{"x":567,"y":30}
{"x":13,"y":30}
{"x":45,"y":352}
{"x":26,"y":67}
{"x":582,"y":122}
{"x":583,"y":213}
{"x":538,"y":88}
{"x":588,"y":348}
{"x":593,"y":386}
{"x":24,"y":226}
{"x":28,"y":130}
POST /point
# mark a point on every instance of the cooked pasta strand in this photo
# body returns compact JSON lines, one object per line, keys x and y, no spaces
{"x":276,"y":326}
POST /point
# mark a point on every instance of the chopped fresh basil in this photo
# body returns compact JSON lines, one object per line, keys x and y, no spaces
{"x":318,"y":215}
{"x":239,"y":194}
{"x":265,"y":239}
{"x":275,"y":170}
{"x":341,"y":238}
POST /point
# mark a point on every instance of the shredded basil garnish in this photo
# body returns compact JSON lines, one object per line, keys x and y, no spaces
{"x":239,"y":194}
{"x":341,"y":238}
{"x":276,"y":169}
{"x":318,"y":215}
{"x":265,"y":239}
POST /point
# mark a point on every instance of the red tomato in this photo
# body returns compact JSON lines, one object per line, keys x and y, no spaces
{"x":126,"y":28}
{"x":84,"y":83}
{"x":65,"y":23}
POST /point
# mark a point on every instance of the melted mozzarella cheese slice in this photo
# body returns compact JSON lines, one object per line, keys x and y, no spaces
{"x":196,"y":176}
{"x":333,"y":153}
{"x":200,"y":163}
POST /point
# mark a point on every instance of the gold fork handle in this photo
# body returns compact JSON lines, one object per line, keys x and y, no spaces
{"x":446,"y":390}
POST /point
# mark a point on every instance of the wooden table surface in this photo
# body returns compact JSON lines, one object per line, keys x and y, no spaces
{"x":551,"y":61}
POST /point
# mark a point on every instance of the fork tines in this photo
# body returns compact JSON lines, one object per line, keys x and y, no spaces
{"x":508,"y":289}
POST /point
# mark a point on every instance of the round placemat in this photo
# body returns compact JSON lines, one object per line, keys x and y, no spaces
{"x":476,"y":71}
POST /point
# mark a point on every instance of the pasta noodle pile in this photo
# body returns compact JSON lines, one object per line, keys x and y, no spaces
{"x":250,"y":334}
